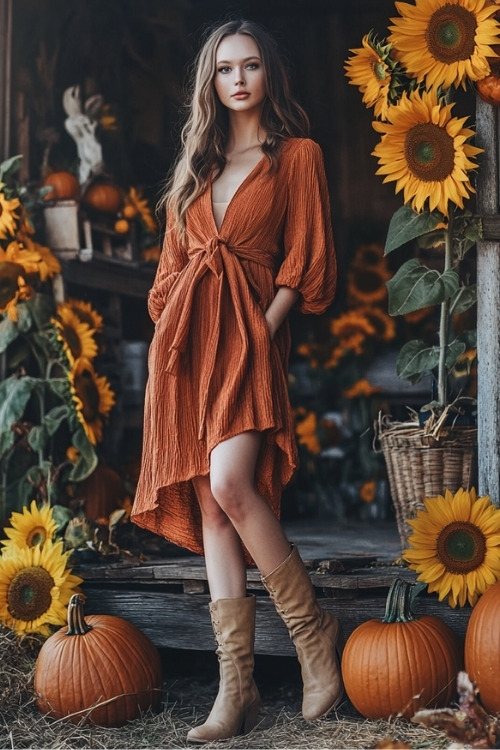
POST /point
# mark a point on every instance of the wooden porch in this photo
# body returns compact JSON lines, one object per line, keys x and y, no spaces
{"x":351,"y":568}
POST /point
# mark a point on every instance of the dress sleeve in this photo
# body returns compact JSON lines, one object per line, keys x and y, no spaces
{"x":172,"y":260}
{"x":310,"y":263}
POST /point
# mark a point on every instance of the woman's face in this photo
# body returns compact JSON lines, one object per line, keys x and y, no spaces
{"x":240,"y":80}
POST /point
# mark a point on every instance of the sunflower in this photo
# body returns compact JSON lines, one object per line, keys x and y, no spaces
{"x":94,"y":398}
{"x":373,"y":71}
{"x":424,"y":149}
{"x":370,"y":254}
{"x":8,"y":216}
{"x":368,"y":491}
{"x":456,"y":546}
{"x":306,"y":431}
{"x":384,"y":325}
{"x":351,"y":329}
{"x":42,"y":261}
{"x":360,"y":388}
{"x":76,"y":337}
{"x":445,"y":43}
{"x":13,"y":288}
{"x":31,"y":527}
{"x":85,"y":312}
{"x":35,"y":588}
{"x":136,"y":200}
{"x":34,"y":258}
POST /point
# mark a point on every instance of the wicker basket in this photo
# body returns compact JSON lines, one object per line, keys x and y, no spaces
{"x":420,"y":465}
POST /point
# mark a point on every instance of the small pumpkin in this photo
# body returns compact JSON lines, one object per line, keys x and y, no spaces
{"x":100,"y":669}
{"x":65,"y":186}
{"x":105,"y":197}
{"x":121,"y":226}
{"x":488,"y":88}
{"x":402,"y":663}
{"x":101,"y":492}
{"x":482,"y":647}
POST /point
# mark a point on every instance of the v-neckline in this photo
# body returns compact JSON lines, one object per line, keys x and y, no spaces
{"x":238,"y":189}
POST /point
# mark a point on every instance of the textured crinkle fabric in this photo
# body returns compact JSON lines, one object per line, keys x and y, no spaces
{"x":213,"y":370}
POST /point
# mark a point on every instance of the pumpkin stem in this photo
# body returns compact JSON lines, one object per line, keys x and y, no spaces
{"x":400,"y":600}
{"x":76,"y":620}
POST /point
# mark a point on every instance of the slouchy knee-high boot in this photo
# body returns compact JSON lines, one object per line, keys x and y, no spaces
{"x":237,"y":704}
{"x":314,"y":633}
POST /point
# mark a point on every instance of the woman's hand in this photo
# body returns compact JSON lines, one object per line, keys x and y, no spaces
{"x":279,"y":308}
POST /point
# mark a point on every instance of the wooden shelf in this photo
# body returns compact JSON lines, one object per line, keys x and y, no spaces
{"x":128,"y":278}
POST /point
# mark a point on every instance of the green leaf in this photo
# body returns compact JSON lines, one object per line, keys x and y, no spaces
{"x":465,"y":297}
{"x":54,"y":418}
{"x":416,"y":359}
{"x":14,"y":395}
{"x":61,"y":516}
{"x":10,"y":166}
{"x":42,"y":308}
{"x":37,"y":438}
{"x":469,"y":338}
{"x":406,"y":225}
{"x":415,"y":286}
{"x":87,"y":461}
{"x":8,"y":333}
{"x":60,"y":387}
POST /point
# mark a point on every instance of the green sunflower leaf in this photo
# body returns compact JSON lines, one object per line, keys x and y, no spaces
{"x":87,"y":460}
{"x":415,"y":286}
{"x":8,"y":333}
{"x":55,"y":417}
{"x":417,"y":358}
{"x":37,"y":438}
{"x":14,"y":395}
{"x":406,"y":225}
{"x":464,"y":298}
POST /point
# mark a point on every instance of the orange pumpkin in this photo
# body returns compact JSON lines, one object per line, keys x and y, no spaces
{"x":105,"y":197}
{"x":482,"y":647}
{"x":402,"y":663}
{"x":488,"y":88}
{"x":64,"y":186}
{"x":101,"y":492}
{"x":100,"y":669}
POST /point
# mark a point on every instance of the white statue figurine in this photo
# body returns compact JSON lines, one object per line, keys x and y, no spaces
{"x":81,"y":126}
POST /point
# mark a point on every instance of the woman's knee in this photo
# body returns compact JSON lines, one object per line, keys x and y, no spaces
{"x":231,"y":494}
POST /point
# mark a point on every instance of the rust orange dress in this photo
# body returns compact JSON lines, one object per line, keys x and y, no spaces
{"x":213,"y":370}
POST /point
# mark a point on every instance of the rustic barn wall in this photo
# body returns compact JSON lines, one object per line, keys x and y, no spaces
{"x":137,"y":54}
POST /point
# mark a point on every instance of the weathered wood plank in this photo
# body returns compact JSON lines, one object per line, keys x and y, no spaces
{"x":488,"y":304}
{"x":182,"y":621}
{"x":172,"y":572}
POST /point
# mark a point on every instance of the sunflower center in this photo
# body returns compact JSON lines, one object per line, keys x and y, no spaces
{"x":89,"y":395}
{"x":451,"y":34}
{"x":461,"y":547}
{"x":29,"y":594}
{"x":429,"y":152}
{"x":73,"y":341}
{"x":36,"y":536}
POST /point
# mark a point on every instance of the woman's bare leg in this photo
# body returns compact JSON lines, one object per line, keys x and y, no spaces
{"x":225,"y":564}
{"x":232,"y":484}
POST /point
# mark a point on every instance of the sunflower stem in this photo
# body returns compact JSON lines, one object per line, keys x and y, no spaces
{"x":444,"y":318}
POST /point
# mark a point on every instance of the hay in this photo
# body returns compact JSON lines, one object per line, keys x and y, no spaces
{"x":186,"y":701}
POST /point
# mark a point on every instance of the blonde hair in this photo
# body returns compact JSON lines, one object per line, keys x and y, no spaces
{"x":204,"y":135}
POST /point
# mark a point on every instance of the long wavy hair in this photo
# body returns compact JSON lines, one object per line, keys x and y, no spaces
{"x":205,"y":132}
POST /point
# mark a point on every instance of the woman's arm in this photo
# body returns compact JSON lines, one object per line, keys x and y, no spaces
{"x":280,"y":307}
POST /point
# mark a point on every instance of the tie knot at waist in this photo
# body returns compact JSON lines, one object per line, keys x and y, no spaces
{"x":217,"y":246}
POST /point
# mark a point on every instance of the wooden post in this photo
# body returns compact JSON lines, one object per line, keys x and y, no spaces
{"x":488,"y":305}
{"x":5,"y":76}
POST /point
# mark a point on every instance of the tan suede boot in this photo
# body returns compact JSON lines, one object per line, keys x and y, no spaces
{"x":314,"y":633}
{"x":237,"y":704}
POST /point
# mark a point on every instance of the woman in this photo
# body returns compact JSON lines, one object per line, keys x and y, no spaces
{"x":248,"y":237}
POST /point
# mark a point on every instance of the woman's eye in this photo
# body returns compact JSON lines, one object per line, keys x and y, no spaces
{"x":252,"y":66}
{"x":224,"y":69}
